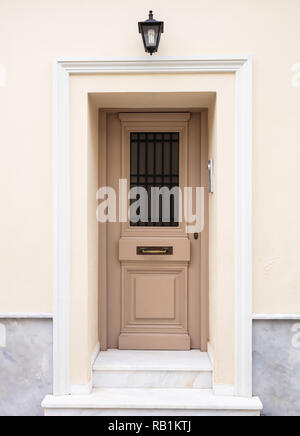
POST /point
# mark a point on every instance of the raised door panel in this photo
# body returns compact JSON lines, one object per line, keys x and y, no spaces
{"x":154,"y":307}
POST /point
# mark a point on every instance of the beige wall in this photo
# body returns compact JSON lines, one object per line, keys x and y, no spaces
{"x":33,"y":32}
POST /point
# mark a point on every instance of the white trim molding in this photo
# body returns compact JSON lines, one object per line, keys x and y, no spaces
{"x":275,"y":317}
{"x":242,"y":66}
{"x":243,"y":230}
{"x":62,"y":230}
{"x":29,"y":315}
{"x":157,"y":65}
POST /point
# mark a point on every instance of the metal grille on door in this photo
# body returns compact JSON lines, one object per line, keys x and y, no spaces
{"x":154,"y":162}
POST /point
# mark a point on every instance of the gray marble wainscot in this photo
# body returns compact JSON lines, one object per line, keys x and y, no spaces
{"x":276,"y":366}
{"x":25,"y":366}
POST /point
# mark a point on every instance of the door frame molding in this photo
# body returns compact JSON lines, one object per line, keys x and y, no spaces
{"x":242,"y":67}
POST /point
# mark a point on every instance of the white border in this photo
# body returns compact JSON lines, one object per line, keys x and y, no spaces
{"x":29,"y":315}
{"x":242,"y":66}
{"x":276,"y":317}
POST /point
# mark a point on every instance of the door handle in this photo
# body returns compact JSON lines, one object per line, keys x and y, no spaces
{"x":210,"y":167}
{"x":154,"y":251}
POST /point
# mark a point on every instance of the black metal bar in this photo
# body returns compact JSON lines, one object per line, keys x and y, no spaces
{"x":157,"y":179}
{"x":163,"y":179}
{"x":138,"y":166}
{"x":171,"y":180}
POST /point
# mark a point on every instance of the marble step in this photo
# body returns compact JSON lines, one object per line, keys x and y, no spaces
{"x":150,"y":402}
{"x":152,"y":369}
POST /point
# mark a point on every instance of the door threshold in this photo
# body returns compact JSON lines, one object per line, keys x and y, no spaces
{"x":153,"y":360}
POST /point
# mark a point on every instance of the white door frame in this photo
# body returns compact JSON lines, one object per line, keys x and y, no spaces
{"x":242,"y":66}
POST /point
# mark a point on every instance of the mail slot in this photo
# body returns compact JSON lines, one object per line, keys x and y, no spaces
{"x":154,"y":251}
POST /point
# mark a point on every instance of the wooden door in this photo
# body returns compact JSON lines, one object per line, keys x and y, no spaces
{"x":156,"y":274}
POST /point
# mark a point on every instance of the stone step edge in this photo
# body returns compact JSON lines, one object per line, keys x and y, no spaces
{"x":126,"y":398}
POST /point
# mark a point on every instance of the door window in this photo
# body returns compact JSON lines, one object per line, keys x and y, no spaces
{"x":154,"y":163}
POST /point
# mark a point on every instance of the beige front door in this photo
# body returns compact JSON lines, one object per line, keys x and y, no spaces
{"x":156,"y":272}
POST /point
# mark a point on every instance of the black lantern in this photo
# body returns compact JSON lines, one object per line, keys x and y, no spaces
{"x":151,"y":31}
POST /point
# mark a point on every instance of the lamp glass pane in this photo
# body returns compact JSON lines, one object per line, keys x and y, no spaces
{"x":151,"y":36}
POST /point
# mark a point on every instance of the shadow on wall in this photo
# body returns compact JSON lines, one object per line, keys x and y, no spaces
{"x":25,"y":366}
{"x":276,"y":366}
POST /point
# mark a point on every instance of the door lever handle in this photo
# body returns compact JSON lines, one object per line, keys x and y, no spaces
{"x":154,"y":251}
{"x":210,"y":167}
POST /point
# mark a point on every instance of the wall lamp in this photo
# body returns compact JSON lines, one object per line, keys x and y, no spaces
{"x":151,"y":31}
